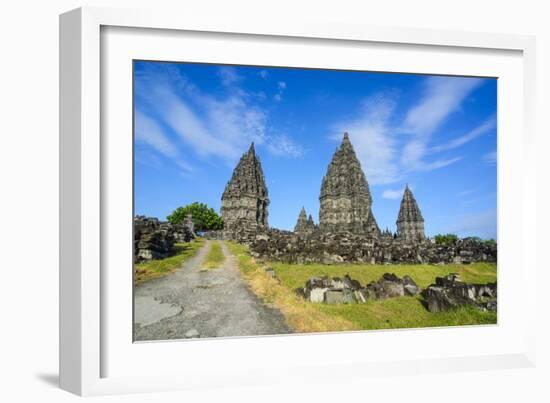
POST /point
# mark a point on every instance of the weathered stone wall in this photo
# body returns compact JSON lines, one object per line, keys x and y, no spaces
{"x":154,"y":239}
{"x":320,"y":247}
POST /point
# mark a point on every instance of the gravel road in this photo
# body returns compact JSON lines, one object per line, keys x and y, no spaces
{"x":192,"y":303}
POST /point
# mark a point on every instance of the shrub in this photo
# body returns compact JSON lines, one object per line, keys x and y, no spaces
{"x":445,"y":239}
{"x":204,"y":217}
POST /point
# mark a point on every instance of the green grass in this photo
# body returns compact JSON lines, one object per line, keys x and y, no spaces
{"x":215,"y":257}
{"x":295,"y":275}
{"x":155,"y":268}
{"x":402,"y":312}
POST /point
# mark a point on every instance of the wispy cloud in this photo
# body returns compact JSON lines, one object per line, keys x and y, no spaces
{"x":229,"y":76}
{"x":485,"y":127}
{"x":441,"y":97}
{"x":371,"y":135}
{"x":466,"y":192}
{"x":281,"y":87}
{"x":490,"y":157}
{"x":149,"y":132}
{"x":263,"y":73}
{"x":391,"y":147}
{"x":220,"y":126}
{"x":392,"y":194}
{"x":283,"y":145}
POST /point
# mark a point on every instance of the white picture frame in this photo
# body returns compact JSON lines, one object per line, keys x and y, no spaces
{"x":86,"y":340}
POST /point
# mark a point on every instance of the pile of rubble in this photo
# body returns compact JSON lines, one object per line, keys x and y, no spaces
{"x":349,"y":291}
{"x":154,"y":239}
{"x":346,"y":247}
{"x":447,"y":292}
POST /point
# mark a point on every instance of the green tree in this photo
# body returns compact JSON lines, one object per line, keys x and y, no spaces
{"x":204,"y":218}
{"x":490,"y":242}
{"x":445,"y":239}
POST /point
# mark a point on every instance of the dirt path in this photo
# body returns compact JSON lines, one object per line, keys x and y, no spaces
{"x":202,"y":303}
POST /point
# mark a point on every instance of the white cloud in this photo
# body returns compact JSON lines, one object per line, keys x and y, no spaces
{"x":392,"y":194}
{"x":281,"y":85}
{"x":371,"y":136}
{"x":229,"y":76}
{"x":390,"y":150}
{"x":219,"y":126}
{"x":148,"y":131}
{"x":430,"y":166}
{"x":480,"y":130}
{"x":441,"y":97}
{"x":282,"y":145}
{"x":490,"y":157}
{"x":263,"y":74}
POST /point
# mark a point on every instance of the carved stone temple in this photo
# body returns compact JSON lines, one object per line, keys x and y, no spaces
{"x":304,"y":225}
{"x":345,"y":196}
{"x":245,"y":198}
{"x":347,"y":230}
{"x":410,"y":223}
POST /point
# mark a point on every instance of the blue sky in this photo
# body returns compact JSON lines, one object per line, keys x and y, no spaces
{"x":436,"y":133}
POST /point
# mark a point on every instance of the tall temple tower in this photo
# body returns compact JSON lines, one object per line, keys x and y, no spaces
{"x":245,"y":199}
{"x":345,"y":196}
{"x":410,"y":223}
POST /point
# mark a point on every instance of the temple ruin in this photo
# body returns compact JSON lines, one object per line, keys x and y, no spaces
{"x":410,"y":223}
{"x":245,"y":198}
{"x":304,"y":225}
{"x":347,"y":230}
{"x":345,"y":197}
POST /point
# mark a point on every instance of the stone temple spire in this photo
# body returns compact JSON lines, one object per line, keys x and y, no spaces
{"x":245,"y":198}
{"x":301,"y":224}
{"x":410,"y":223}
{"x":345,"y":196}
{"x":310,"y":222}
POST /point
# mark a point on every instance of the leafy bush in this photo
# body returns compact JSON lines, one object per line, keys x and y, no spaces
{"x":445,"y":239}
{"x":490,"y":242}
{"x":204,"y":217}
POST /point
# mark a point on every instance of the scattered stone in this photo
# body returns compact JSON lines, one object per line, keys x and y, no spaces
{"x":347,"y":290}
{"x":339,"y":296}
{"x":409,"y":286}
{"x":449,"y":292}
{"x":270,"y":272}
{"x":390,"y":286}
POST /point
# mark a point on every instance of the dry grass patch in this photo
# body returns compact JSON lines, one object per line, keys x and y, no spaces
{"x":300,"y":315}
